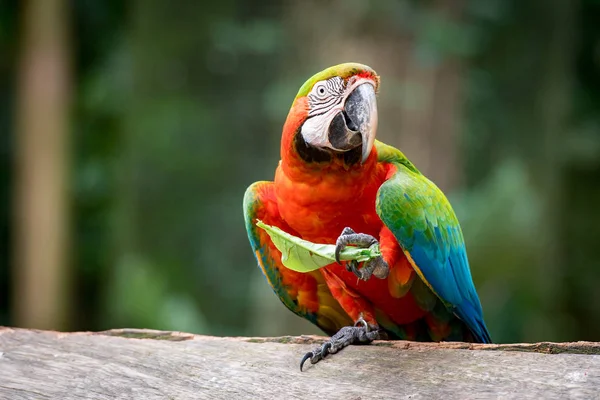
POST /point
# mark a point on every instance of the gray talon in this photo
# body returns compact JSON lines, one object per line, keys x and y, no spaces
{"x":360,"y":333}
{"x":347,"y":231}
{"x":308,"y":355}
{"x":352,"y":266}
{"x":376,"y":266}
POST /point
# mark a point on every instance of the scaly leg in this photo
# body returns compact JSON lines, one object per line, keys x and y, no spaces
{"x":364,"y":331}
{"x":360,"y":333}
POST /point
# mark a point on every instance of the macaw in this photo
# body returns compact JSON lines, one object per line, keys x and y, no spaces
{"x":336,"y":184}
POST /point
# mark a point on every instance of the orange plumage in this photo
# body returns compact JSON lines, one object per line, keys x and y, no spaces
{"x":315,"y":195}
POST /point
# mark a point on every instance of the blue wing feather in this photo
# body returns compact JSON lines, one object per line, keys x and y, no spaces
{"x":423,"y":222}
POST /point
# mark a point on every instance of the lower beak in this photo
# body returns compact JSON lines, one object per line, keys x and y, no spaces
{"x":357,"y":123}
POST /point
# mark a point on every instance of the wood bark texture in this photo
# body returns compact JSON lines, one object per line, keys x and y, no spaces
{"x":145,"y":364}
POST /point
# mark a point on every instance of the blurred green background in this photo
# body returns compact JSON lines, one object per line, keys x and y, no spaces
{"x":130,"y":130}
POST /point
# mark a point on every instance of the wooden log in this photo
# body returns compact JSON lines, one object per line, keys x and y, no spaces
{"x":145,"y":364}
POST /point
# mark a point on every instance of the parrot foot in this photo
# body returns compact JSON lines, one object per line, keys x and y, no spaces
{"x":360,"y":333}
{"x":376,"y":266}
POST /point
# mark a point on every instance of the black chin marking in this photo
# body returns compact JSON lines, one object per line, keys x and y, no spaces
{"x":353,"y":156}
{"x":310,"y":153}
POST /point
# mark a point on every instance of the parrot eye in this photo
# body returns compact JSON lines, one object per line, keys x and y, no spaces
{"x":320,"y":89}
{"x":325,"y":95}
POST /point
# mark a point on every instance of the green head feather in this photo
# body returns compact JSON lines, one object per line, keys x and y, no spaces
{"x":344,"y":71}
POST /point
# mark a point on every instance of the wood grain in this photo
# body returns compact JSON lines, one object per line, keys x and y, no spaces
{"x":144,"y":364}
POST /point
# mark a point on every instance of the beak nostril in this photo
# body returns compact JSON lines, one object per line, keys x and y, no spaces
{"x":349,"y":123}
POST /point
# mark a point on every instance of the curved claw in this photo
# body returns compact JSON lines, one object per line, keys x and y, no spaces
{"x":340,"y":243}
{"x":352,"y":266}
{"x":346,"y":336}
{"x":317,"y":355}
{"x":308,"y":355}
{"x":338,"y":250}
{"x":325,"y":349}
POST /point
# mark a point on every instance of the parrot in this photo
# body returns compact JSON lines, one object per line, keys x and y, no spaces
{"x":336,"y":184}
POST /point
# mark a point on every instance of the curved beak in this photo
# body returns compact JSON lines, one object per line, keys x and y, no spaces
{"x":356,"y":124}
{"x":361,"y":108}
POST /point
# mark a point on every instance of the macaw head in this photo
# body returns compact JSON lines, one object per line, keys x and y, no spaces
{"x":334,"y":112}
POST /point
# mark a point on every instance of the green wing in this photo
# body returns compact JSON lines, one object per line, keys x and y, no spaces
{"x":423,"y":222}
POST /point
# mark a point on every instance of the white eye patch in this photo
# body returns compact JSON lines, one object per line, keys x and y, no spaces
{"x":314,"y":130}
{"x":325,"y":95}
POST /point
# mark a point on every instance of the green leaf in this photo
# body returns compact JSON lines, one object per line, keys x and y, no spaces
{"x":303,"y":256}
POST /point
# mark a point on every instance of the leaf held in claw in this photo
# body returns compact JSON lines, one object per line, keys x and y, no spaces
{"x":303,"y":256}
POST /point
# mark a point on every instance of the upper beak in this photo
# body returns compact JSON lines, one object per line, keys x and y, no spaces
{"x":361,"y":110}
{"x":351,"y":127}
